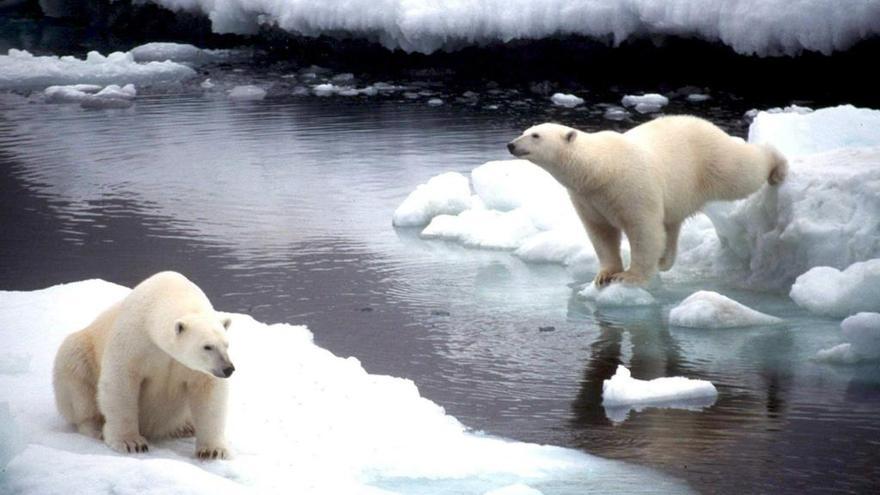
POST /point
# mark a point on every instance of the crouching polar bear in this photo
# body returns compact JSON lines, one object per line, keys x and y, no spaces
{"x":646,"y":182}
{"x":150,"y":366}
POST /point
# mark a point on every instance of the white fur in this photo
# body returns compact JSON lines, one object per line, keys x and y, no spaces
{"x":141,"y":369}
{"x":646,"y":182}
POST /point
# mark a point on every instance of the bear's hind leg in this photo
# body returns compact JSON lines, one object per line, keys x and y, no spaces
{"x":668,"y":258}
{"x":74,"y":379}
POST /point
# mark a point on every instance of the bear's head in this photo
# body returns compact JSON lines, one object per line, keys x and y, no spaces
{"x":200,"y":343}
{"x":544,"y":144}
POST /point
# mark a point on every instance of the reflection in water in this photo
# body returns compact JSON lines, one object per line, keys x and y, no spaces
{"x":282,"y":209}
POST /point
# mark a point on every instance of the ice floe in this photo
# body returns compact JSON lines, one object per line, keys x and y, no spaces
{"x":21,"y":70}
{"x":828,"y":291}
{"x":247,"y":92}
{"x":622,"y":393}
{"x":617,"y":295}
{"x":707,"y":309}
{"x":759,"y":27}
{"x":445,"y":194}
{"x":648,"y":103}
{"x":566,"y":100}
{"x":862,"y":335}
{"x":300,"y":420}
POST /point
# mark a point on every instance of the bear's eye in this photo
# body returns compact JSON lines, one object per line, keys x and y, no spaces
{"x":535,"y":136}
{"x":208,"y":348}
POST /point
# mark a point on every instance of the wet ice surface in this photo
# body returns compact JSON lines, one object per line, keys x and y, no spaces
{"x":296,"y":227}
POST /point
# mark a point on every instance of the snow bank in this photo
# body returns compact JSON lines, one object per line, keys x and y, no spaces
{"x":21,"y":70}
{"x":828,"y":291}
{"x":617,"y":295}
{"x":623,"y":392}
{"x":862,"y":333}
{"x":648,"y":103}
{"x":706,"y":309}
{"x":566,"y":100}
{"x":247,"y":93}
{"x":301,"y":420}
{"x":826,"y":213}
{"x":748,"y":26}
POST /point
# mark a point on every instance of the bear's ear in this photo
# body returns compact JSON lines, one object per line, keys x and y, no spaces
{"x":227,"y":322}
{"x":179,"y":328}
{"x":570,"y":135}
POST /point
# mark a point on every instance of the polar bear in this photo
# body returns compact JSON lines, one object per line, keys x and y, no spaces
{"x":151,"y":366}
{"x":645,"y":182}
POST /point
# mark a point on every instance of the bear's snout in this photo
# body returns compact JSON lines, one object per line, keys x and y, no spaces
{"x":227,"y":371}
{"x":511,"y":148}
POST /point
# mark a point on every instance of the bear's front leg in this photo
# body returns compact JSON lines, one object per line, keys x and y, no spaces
{"x":207,"y":401}
{"x":118,"y":394}
{"x":646,"y":243}
{"x":606,"y":242}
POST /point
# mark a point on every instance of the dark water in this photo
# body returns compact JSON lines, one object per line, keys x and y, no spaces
{"x":282,"y":209}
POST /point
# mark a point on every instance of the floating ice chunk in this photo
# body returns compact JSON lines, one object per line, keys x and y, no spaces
{"x":617,"y":295}
{"x":346,"y":77}
{"x":562,"y":246}
{"x":160,"y":52}
{"x":435,"y":102}
{"x":615,"y":113}
{"x":69,"y":94}
{"x":21,"y":70}
{"x":706,"y":309}
{"x":126,"y":92}
{"x":622,"y":389}
{"x":566,"y":100}
{"x":326,"y":89}
{"x":862,"y":333}
{"x":207,"y":84}
{"x":648,"y":103}
{"x":698,"y":97}
{"x":247,"y":93}
{"x":828,"y":291}
{"x":508,"y":184}
{"x":445,"y":194}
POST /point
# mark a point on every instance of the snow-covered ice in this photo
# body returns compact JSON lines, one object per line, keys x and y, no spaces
{"x":247,"y":92}
{"x":445,"y":194}
{"x":301,"y":420}
{"x":861,"y":332}
{"x":648,"y":103}
{"x":762,"y":27}
{"x":826,"y":213}
{"x":92,"y":95}
{"x":698,"y":97}
{"x":707,"y":309}
{"x":435,"y":102}
{"x":623,"y":392}
{"x":617,"y":295}
{"x":176,"y":52}
{"x":21,"y":70}
{"x":828,"y":291}
{"x":566,"y":100}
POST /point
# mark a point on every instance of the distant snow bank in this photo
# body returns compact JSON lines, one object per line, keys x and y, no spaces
{"x":762,"y":27}
{"x":301,"y":420}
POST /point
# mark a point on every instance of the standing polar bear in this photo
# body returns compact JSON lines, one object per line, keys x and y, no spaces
{"x":150,"y":366}
{"x":646,"y":182}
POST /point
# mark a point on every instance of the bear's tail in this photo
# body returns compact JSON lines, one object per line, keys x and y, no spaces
{"x":778,"y":166}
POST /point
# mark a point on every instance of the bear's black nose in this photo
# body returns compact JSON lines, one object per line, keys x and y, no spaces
{"x":228,"y":371}
{"x":511,"y":147}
